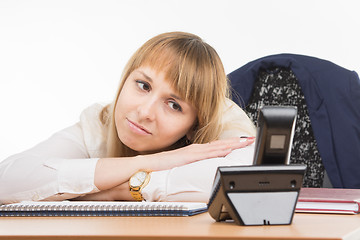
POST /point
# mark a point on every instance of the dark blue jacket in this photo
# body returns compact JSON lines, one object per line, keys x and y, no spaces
{"x":332,"y":94}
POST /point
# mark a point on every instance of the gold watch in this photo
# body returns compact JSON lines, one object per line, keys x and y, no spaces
{"x":137,"y":182}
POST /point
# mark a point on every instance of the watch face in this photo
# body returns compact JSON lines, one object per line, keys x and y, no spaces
{"x":138,"y":179}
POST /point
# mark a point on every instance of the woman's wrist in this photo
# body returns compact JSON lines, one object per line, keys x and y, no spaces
{"x":111,"y":172}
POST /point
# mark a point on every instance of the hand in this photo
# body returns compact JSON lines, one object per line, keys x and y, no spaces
{"x":197,"y":152}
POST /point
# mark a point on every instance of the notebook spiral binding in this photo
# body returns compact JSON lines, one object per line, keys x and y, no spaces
{"x":93,"y":210}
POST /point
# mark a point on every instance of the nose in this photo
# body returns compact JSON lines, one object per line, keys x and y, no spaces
{"x":147,"y":109}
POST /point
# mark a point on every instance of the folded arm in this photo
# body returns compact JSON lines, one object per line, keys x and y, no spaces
{"x":61,"y":168}
{"x":191,"y":182}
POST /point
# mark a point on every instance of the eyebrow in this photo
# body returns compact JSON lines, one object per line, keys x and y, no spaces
{"x":145,"y":76}
{"x":150,"y":80}
{"x":176,"y":97}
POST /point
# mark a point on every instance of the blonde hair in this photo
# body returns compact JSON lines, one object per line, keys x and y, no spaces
{"x":193,"y":69}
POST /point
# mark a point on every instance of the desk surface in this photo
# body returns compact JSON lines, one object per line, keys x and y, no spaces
{"x":304,"y":226}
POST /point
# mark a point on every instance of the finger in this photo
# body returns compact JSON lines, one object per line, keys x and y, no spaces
{"x":247,"y":141}
{"x":214,"y":153}
{"x":218,"y":148}
{"x":226,"y":146}
{"x":234,"y":142}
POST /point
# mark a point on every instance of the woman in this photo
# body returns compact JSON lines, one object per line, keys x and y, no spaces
{"x":171,"y":110}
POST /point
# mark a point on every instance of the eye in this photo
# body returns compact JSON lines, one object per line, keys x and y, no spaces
{"x":143,"y":85}
{"x":175,"y":106}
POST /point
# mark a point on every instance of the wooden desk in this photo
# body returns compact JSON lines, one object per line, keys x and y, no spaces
{"x":304,"y":226}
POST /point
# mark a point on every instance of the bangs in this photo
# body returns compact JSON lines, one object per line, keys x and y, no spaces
{"x":186,"y":66}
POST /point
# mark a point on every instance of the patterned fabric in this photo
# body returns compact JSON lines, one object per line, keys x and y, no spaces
{"x":279,"y":86}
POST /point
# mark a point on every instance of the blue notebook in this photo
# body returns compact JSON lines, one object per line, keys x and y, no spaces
{"x":101,"y":208}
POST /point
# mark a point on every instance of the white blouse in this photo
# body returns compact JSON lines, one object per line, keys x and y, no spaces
{"x":63,"y":166}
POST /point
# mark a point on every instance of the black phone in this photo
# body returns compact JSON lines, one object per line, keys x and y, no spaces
{"x":275,"y":133}
{"x":266,"y":192}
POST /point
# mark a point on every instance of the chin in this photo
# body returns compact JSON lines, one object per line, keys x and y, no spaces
{"x":143,"y":151}
{"x":140,"y":148}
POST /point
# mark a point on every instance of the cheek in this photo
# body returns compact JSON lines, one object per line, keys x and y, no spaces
{"x":118,"y":108}
{"x":121,"y":108}
{"x":177,"y":127}
{"x":124,"y":102}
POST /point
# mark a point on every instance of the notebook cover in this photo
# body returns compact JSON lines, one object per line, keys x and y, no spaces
{"x":329,"y":200}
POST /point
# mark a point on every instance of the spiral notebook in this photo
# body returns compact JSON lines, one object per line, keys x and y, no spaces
{"x":98,"y":208}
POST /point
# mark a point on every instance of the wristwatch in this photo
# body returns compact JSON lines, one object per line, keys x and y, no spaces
{"x":137,"y":182}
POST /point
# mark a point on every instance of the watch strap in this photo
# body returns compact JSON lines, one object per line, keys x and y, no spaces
{"x":136,"y":191}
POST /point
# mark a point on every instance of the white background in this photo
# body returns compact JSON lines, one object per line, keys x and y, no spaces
{"x":58,"y":57}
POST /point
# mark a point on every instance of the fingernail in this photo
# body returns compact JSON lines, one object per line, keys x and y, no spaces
{"x":243,"y":139}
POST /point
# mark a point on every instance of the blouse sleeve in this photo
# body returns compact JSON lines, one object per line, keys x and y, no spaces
{"x":56,"y":169}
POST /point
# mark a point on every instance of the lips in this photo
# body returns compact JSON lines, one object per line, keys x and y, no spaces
{"x":138,"y":128}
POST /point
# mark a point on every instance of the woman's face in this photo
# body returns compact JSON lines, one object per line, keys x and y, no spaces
{"x":149,"y":114}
